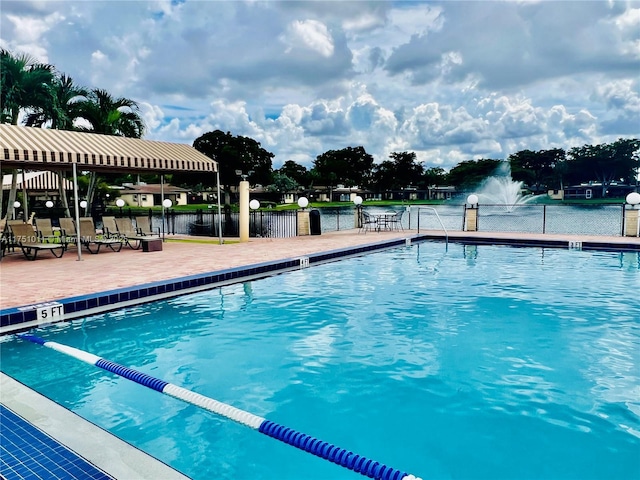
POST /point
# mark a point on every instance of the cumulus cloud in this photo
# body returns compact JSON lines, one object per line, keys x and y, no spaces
{"x":309,"y":34}
{"x":450,"y":81}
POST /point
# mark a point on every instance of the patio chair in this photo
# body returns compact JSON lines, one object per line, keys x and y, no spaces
{"x":24,"y":236}
{"x":394,"y":222}
{"x":368,"y":223}
{"x":128,"y":233}
{"x":91,"y":240}
{"x":68,"y":230}
{"x":143,"y":225}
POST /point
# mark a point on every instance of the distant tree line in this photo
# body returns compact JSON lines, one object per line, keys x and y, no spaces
{"x":353,"y":166}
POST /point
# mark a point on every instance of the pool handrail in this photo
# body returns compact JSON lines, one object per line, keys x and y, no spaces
{"x":446,"y":234}
{"x":325,"y":450}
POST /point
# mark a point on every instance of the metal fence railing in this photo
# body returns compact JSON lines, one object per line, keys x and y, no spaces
{"x":588,"y":219}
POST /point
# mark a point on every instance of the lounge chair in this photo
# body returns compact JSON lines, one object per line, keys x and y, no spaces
{"x":24,"y":236}
{"x":109,"y":227}
{"x":143,"y":225}
{"x":46,"y":232}
{"x":90,"y":239}
{"x":128,"y":233}
{"x":68,"y":230}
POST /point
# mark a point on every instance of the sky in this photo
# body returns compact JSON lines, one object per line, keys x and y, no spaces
{"x":450,"y":81}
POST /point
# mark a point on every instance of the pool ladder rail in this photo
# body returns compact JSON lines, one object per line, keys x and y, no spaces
{"x":302,"y":441}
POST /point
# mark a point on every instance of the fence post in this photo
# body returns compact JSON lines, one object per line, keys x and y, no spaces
{"x":544,"y":219}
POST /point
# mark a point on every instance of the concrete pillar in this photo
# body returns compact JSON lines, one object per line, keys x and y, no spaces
{"x":304,"y":227}
{"x":243,"y":189}
{"x":357,"y":217}
{"x":631,"y":219}
{"x":471,"y":220}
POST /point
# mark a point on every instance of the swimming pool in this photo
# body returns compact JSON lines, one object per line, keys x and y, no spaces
{"x":477,"y":362}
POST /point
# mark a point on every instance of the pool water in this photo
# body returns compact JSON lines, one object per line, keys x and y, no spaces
{"x":471,"y":363}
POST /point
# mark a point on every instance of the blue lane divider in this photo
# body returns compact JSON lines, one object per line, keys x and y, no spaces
{"x":307,"y":443}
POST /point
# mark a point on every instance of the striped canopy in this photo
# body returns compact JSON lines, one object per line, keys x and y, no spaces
{"x":38,"y":181}
{"x":47,"y":149}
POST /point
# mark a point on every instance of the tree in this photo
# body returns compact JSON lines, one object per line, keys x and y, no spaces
{"x":605,"y":162}
{"x":471,"y":173}
{"x":434,"y":176}
{"x":109,"y":116}
{"x":24,"y":84}
{"x":296,"y":172}
{"x":236,"y":153}
{"x":535,"y":169}
{"x":62,"y":110}
{"x":282,"y":183}
{"x":349,"y":166}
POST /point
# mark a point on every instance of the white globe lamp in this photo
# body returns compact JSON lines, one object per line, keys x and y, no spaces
{"x":49,"y":204}
{"x":120,"y":203}
{"x":254,"y":204}
{"x":16,"y":204}
{"x":633,"y":199}
{"x":303,"y":202}
{"x":83,"y":204}
{"x":357,"y":200}
{"x":166,"y":203}
{"x":472,"y":199}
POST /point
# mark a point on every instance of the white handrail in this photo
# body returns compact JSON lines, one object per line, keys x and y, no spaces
{"x":446,"y":234}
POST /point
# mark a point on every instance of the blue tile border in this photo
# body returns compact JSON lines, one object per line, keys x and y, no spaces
{"x":28,"y":452}
{"x":25,"y":317}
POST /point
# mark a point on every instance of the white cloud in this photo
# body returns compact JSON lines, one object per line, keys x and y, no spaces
{"x":310,"y":34}
{"x":450,"y":81}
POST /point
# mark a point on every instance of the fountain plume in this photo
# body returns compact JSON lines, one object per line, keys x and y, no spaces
{"x":502,"y":190}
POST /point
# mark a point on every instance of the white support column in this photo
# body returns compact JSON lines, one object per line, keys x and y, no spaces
{"x":243,"y":189}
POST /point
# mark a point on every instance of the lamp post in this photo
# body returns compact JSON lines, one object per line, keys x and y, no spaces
{"x":358,"y":203}
{"x":16,"y":206}
{"x":120,"y":204}
{"x":166,"y":203}
{"x":304,"y":225}
{"x":83,"y":205}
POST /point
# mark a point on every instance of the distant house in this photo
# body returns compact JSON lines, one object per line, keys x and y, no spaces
{"x":442,"y":192}
{"x":593,"y":190}
{"x":150,"y":195}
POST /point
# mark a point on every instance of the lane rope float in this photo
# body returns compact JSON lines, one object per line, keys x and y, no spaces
{"x":302,"y":441}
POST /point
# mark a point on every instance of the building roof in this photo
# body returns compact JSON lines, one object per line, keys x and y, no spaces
{"x":150,"y":189}
{"x":41,"y":148}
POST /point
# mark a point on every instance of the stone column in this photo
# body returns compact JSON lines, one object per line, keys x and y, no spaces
{"x":471,"y":220}
{"x":303,"y":223}
{"x":631,"y":219}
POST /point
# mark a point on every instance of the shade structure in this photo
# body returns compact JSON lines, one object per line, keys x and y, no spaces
{"x":31,"y":148}
{"x":39,"y":181}
{"x":47,"y":149}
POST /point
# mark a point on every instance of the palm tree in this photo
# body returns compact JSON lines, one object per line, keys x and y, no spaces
{"x":24,"y":85}
{"x":62,"y":111}
{"x":109,"y":116}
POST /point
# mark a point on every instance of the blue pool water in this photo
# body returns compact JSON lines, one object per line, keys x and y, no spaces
{"x":472,"y":363}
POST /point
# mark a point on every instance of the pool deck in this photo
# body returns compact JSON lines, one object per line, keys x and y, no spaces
{"x":47,"y":278}
{"x":24,"y":282}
